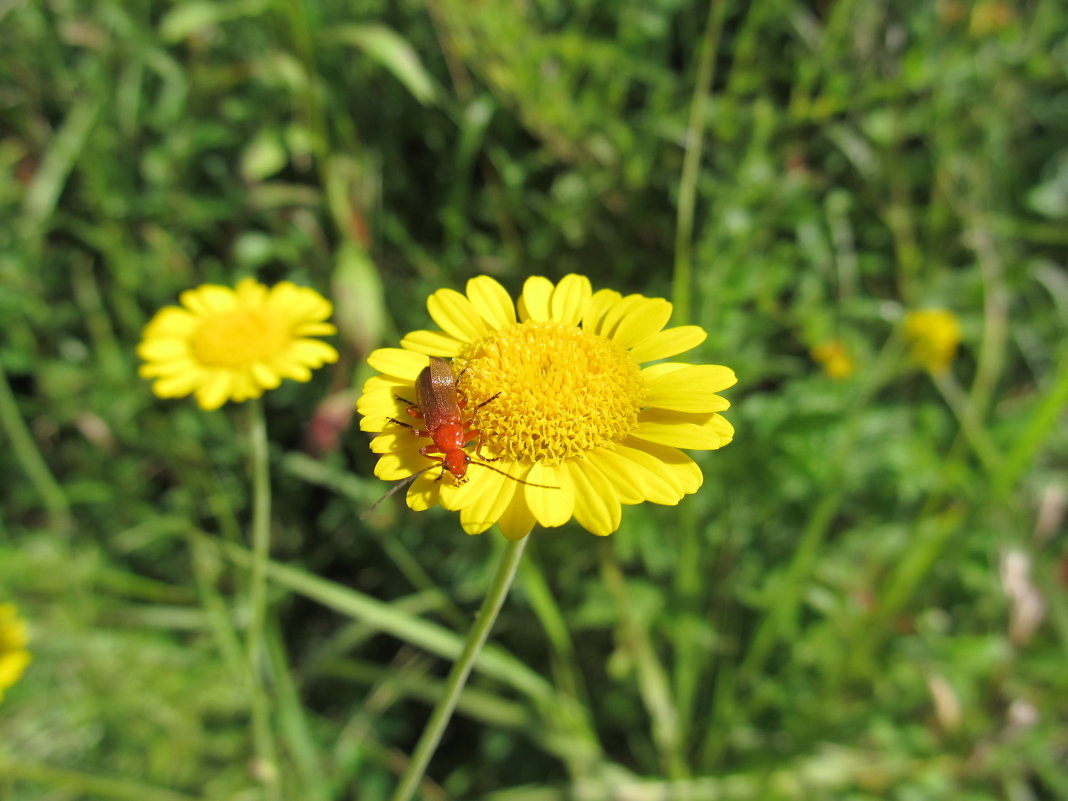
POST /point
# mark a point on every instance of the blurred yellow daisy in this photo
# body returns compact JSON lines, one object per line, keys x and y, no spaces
{"x":232,"y":344}
{"x":566,"y":405}
{"x":833,"y":356}
{"x":13,"y":654}
{"x":933,"y":336}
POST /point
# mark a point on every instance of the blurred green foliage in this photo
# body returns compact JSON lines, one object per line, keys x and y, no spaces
{"x":841,"y":612}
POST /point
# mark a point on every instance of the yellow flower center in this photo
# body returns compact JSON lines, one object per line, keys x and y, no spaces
{"x":564,"y":391}
{"x":239,"y":337}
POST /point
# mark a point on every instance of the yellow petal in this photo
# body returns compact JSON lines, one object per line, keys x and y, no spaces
{"x":314,"y":329}
{"x":492,"y":301}
{"x":207,"y":299}
{"x":640,"y":321}
{"x":165,"y":369}
{"x":215,"y":390}
{"x":172,"y":322}
{"x":425,"y":491}
{"x":381,"y":389}
{"x":398,"y":441}
{"x":599,"y":304}
{"x":535,"y":299}
{"x":265,"y":376}
{"x":178,"y":385}
{"x":596,"y":504}
{"x":312,"y":352}
{"x":517,"y":519}
{"x":432,"y":343}
{"x":399,"y":464}
{"x":12,"y":666}
{"x":682,"y":430}
{"x":250,"y":292}
{"x":669,"y":342}
{"x":377,"y":406}
{"x":298,"y":303}
{"x":289,"y":368}
{"x":243,"y":387}
{"x":403,"y":364}
{"x":617,"y":312}
{"x":551,"y":507}
{"x":681,"y":471}
{"x":658,"y":485}
{"x":163,"y":349}
{"x":453,"y":497}
{"x":621,"y":472}
{"x":690,"y":389}
{"x":487,"y":508}
{"x":456,"y":315}
{"x":569,"y":299}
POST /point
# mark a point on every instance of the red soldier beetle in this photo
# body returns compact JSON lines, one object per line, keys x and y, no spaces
{"x":440,"y":404}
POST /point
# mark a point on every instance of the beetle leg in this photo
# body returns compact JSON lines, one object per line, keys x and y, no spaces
{"x":439,"y":459}
{"x":430,"y":451}
{"x":478,"y":447}
{"x":416,"y":432}
{"x":403,"y":400}
{"x":415,"y":412}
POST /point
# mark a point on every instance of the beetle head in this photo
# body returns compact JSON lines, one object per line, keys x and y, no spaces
{"x":456,"y":463}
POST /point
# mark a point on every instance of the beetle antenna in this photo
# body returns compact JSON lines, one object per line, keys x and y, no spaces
{"x":519,"y":480}
{"x":395,"y":489}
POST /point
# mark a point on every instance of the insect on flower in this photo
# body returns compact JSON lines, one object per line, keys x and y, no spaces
{"x":441,"y":404}
{"x":587,"y":405}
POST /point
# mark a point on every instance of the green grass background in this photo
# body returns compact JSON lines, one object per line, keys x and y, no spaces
{"x":828,"y":618}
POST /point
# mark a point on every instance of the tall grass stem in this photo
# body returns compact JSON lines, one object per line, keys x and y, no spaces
{"x":257,"y":595}
{"x":694,"y":144}
{"x":461,"y":669}
{"x":29,"y":456}
{"x":687,"y":576}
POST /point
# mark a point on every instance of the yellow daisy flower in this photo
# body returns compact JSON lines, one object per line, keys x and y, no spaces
{"x":232,"y":344}
{"x":834,"y":358}
{"x":564,"y":401}
{"x":933,"y":336}
{"x":13,"y":654}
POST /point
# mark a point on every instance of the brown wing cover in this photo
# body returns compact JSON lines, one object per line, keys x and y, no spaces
{"x":435,"y":392}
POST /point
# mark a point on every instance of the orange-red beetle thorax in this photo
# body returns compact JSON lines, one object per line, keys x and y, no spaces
{"x":449,"y":436}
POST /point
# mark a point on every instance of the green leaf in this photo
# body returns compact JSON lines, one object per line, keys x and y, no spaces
{"x":393,"y":52}
{"x":264,"y":156}
{"x":189,"y":18}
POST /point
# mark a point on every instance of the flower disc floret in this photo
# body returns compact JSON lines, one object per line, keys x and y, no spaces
{"x":554,"y":384}
{"x":568,"y":391}
{"x":233,"y":344}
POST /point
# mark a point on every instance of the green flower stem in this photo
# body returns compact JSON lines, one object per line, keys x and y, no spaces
{"x":28,"y":455}
{"x":257,"y":595}
{"x":461,"y":669}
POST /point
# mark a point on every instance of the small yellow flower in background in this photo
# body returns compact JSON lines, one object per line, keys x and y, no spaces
{"x":576,"y":411}
{"x":835,"y":359}
{"x":13,"y":654}
{"x":232,"y":344}
{"x":933,"y":336}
